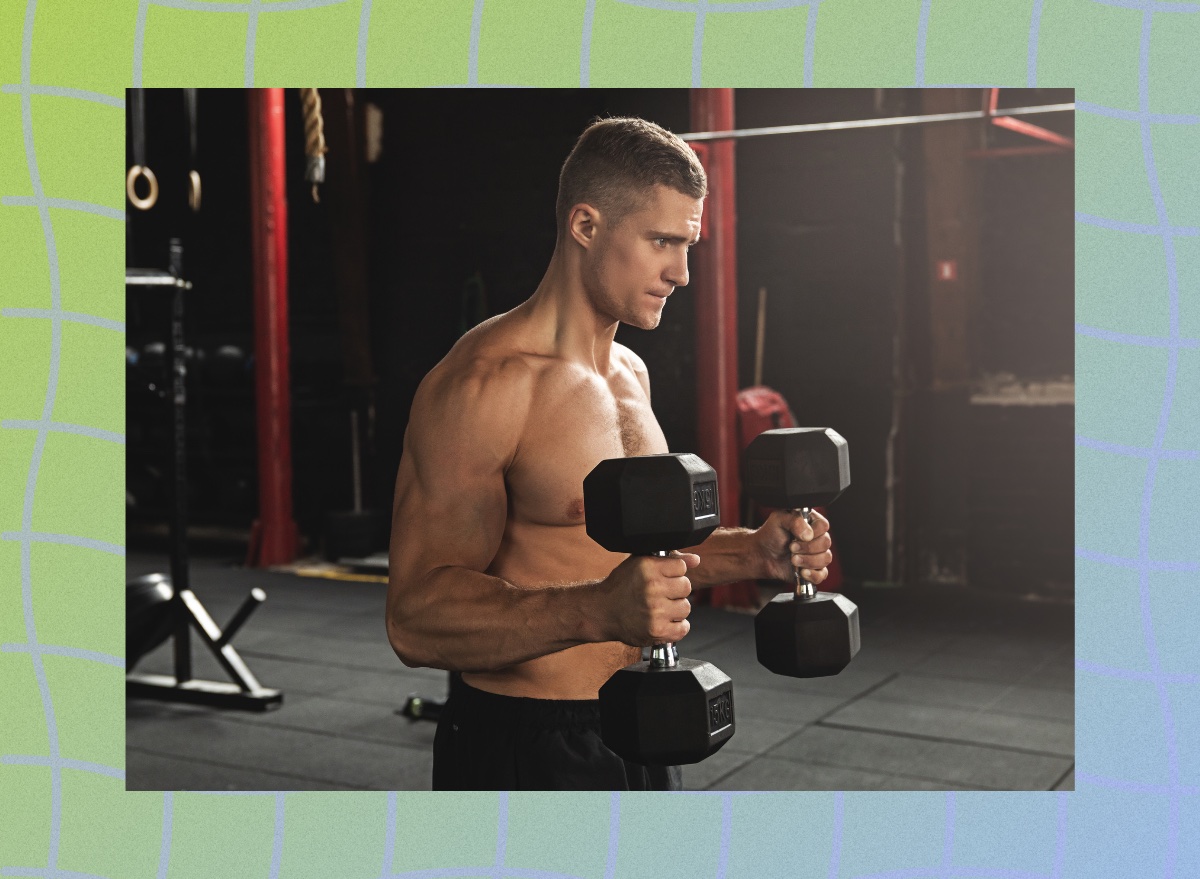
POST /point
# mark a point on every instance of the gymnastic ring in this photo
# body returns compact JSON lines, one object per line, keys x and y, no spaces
{"x":194,"y":191}
{"x":142,"y":204}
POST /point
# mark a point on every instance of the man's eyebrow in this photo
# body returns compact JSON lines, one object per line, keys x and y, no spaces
{"x":669,"y":237}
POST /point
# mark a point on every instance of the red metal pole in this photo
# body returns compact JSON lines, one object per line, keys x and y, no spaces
{"x":276,"y":530}
{"x":715,"y":290}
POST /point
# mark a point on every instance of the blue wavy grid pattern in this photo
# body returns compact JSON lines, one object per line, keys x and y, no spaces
{"x":1067,"y":808}
{"x":27,"y":537}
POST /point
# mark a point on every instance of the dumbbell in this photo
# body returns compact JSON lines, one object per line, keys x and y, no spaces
{"x":803,"y":634}
{"x":665,"y":710}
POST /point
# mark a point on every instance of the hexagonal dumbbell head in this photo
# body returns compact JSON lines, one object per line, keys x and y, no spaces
{"x":807,"y":638}
{"x":651,"y":503}
{"x":665,"y":717}
{"x":793,"y":468}
{"x":651,"y":712}
{"x":797,"y":467}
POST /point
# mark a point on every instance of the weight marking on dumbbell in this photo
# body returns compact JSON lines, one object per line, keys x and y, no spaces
{"x":704,"y":499}
{"x":720,"y":711}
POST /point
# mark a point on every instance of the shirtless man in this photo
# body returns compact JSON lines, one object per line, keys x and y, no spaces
{"x":492,"y":572}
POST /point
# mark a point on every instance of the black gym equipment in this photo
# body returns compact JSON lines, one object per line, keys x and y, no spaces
{"x":148,"y":619}
{"x":805,"y":633}
{"x":355,"y":533}
{"x":160,"y":607}
{"x":666,"y":710}
{"x":421,"y":708}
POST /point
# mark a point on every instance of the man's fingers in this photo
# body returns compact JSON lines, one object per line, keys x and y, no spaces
{"x":670,"y":632}
{"x":812,"y":560}
{"x":677,"y":588}
{"x":671,"y":568}
{"x":801,"y":530}
{"x":676,"y":566}
{"x":808,"y":531}
{"x":820,"y":544}
{"x":679,"y":609}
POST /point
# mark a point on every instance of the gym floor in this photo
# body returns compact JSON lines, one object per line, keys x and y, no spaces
{"x":953,"y":689}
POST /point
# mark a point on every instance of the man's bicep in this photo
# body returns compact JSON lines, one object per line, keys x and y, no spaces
{"x":451,"y":498}
{"x":451,"y":505}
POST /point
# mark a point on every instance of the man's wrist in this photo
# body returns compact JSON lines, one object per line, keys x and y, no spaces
{"x":758,"y":560}
{"x":745,"y":558}
{"x":593,"y":623}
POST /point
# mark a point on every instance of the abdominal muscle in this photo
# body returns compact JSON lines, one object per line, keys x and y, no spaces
{"x":534,"y":556}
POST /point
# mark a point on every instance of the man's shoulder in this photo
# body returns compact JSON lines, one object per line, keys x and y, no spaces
{"x":483,"y":375}
{"x":634,"y":364}
{"x":630,"y":358}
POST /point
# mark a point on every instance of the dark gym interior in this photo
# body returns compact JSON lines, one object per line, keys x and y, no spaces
{"x":918,"y":298}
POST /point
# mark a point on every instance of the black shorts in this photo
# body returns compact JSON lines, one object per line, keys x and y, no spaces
{"x":490,"y":742}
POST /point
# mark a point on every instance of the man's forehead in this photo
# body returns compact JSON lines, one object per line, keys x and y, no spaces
{"x":671,"y":210}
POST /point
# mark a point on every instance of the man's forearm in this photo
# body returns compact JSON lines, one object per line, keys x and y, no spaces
{"x":468,"y":621}
{"x":728,"y":555}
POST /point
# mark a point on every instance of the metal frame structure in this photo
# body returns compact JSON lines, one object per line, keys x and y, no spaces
{"x":887,"y":122}
{"x":185,"y":610}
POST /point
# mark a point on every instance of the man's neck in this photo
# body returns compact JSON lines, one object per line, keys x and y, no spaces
{"x":565,"y":322}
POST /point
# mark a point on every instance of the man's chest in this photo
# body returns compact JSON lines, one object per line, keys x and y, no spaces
{"x":569,"y":431}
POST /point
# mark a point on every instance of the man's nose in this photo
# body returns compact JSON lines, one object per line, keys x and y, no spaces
{"x":677,"y":271}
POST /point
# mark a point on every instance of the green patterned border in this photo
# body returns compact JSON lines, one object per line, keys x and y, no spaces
{"x":63,"y":67}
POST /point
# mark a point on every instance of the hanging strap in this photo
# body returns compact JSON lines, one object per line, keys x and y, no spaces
{"x":137,"y":117}
{"x":189,"y":104}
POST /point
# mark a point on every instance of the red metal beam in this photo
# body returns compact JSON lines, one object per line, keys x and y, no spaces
{"x":1022,"y":127}
{"x":1035,"y":131}
{"x":276,"y":530}
{"x":715,"y":289}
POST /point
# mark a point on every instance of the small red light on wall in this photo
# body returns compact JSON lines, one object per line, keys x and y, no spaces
{"x":947,"y":270}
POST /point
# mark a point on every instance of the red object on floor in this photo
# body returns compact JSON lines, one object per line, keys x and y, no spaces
{"x":761,"y":408}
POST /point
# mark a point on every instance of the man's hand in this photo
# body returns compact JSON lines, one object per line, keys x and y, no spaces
{"x":648,"y":599}
{"x":788,"y":542}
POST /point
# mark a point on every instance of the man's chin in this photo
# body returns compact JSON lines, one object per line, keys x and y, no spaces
{"x":643,"y":321}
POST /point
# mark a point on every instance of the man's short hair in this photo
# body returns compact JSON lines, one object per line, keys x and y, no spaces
{"x":617,"y":161}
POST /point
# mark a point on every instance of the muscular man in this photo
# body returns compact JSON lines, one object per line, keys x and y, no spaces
{"x":492,"y":572}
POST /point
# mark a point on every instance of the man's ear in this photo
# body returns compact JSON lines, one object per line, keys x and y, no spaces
{"x":583,"y":222}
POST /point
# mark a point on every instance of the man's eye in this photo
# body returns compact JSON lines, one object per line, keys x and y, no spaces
{"x":661,"y":242}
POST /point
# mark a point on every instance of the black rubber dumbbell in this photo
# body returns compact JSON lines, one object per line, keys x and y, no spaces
{"x":806,"y":633}
{"x":665,"y":710}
